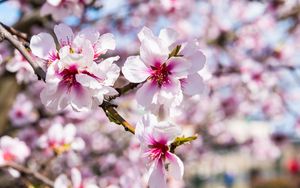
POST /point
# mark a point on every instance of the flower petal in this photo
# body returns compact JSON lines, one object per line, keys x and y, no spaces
{"x":42,"y":44}
{"x":176,"y":168}
{"x":135,"y":70}
{"x":192,"y":85}
{"x":104,"y":43}
{"x":64,"y":34}
{"x":157,"y":177}
{"x":153,"y":51}
{"x":169,"y":36}
{"x":145,"y":95}
{"x":179,"y":67}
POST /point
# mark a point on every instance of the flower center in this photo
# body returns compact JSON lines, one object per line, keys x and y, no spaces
{"x":160,"y":74}
{"x":69,"y":77}
{"x":158,"y":150}
{"x":8,"y":156}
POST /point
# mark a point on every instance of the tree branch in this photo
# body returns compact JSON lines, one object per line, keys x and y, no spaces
{"x":23,"y":170}
{"x":115,"y":117}
{"x":19,"y":46}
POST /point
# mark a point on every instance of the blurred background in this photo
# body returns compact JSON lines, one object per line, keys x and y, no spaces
{"x":247,"y":118}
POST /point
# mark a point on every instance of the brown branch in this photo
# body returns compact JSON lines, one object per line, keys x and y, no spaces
{"x":115,"y":117}
{"x":26,"y":171}
{"x":19,"y":46}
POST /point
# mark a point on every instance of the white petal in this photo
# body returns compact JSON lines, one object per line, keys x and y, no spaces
{"x":110,"y":70}
{"x":197,"y":60}
{"x":153,"y":51}
{"x":81,"y":99}
{"x":64,"y":34}
{"x":61,"y":182}
{"x":192,"y":85}
{"x":69,"y":133}
{"x":88,"y":81}
{"x":147,"y":121}
{"x":157,"y":177}
{"x":42,"y":44}
{"x":145,"y":94}
{"x":171,"y":94}
{"x":78,"y":144}
{"x":135,"y":70}
{"x":178,"y":67}
{"x":145,"y":33}
{"x":169,"y":36}
{"x":90,"y":33}
{"x":86,"y":48}
{"x":176,"y":168}
{"x":104,"y":43}
{"x":76,"y":177}
{"x":54,"y":2}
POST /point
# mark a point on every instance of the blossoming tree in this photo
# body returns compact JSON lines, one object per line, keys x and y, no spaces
{"x":124,"y":94}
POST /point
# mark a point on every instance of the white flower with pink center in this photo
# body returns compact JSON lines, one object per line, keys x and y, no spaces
{"x":61,"y":139}
{"x":60,"y":9}
{"x":19,"y":64}
{"x":13,"y":150}
{"x":155,"y":138}
{"x":23,"y":111}
{"x":168,"y":68}
{"x":77,"y":181}
{"x":73,"y":77}
{"x":87,"y":42}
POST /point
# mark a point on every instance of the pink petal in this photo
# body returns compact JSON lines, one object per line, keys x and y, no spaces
{"x":135,"y":70}
{"x":192,"y":85}
{"x":42,"y":44}
{"x":157,"y":177}
{"x":81,"y":99}
{"x":176,"y":168}
{"x":179,"y":67}
{"x":64,"y":34}
{"x":145,"y":94}
{"x":198,"y":60}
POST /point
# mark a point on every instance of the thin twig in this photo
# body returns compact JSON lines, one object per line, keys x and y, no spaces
{"x":29,"y":172}
{"x":115,"y":117}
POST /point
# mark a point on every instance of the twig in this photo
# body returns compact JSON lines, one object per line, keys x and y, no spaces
{"x":19,"y":46}
{"x":124,"y":90}
{"x":115,"y":117}
{"x":29,"y":172}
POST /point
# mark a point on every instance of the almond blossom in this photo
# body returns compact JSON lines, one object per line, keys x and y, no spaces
{"x":12,"y":150}
{"x":155,"y":138}
{"x":23,"y":111}
{"x":76,"y":181}
{"x":168,"y":68}
{"x":61,"y":139}
{"x":73,"y":78}
{"x":59,"y":9}
{"x":19,"y":64}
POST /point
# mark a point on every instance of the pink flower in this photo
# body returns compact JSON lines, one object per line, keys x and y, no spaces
{"x":155,"y":138}
{"x":23,"y":111}
{"x":167,"y":77}
{"x":60,"y":9}
{"x":73,"y":77}
{"x":77,"y":181}
{"x":19,"y":64}
{"x":61,"y":139}
{"x":12,"y":150}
